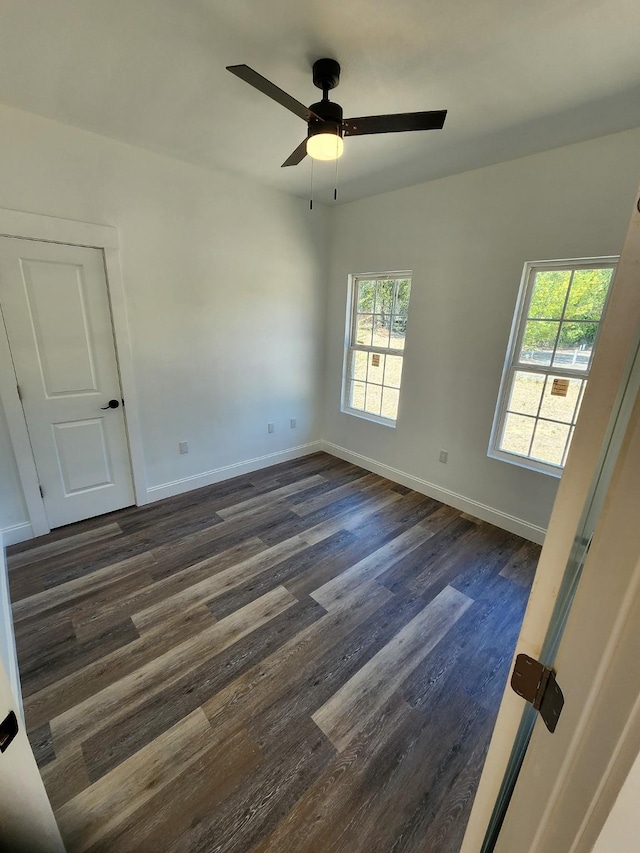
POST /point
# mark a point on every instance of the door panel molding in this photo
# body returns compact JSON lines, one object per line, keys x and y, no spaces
{"x":33,"y":226}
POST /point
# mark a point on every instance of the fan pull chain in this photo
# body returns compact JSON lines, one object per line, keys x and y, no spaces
{"x":311,"y":193}
{"x":335,"y":184}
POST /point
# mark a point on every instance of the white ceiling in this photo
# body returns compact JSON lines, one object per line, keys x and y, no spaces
{"x":517,"y":76}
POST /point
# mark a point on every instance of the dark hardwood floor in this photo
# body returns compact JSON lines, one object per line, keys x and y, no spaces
{"x":307,"y":658}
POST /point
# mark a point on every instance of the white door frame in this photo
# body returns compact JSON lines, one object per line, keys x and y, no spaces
{"x":51,"y":229}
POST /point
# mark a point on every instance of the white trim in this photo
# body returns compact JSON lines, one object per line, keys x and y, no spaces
{"x":16,"y":533}
{"x":487,"y":513}
{"x":51,"y":229}
{"x":525,"y":462}
{"x":7,"y":639}
{"x":514,"y":346}
{"x":367,"y":416}
{"x":35,"y":226}
{"x":349,"y":345}
{"x":226,"y":472}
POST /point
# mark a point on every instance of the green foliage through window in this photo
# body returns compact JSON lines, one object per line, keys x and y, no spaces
{"x":586,"y":291}
{"x":547,"y":373}
{"x":377,"y":336}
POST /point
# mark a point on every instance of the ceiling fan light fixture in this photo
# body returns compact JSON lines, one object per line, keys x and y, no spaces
{"x":325,"y":139}
{"x":327,"y":145}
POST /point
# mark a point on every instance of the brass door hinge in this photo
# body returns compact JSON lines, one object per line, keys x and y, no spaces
{"x":537,"y":683}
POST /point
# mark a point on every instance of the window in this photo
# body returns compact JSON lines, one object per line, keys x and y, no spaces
{"x":550,"y":352}
{"x":377,"y":324}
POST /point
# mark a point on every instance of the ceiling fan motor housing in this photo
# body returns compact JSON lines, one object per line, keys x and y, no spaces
{"x":331,"y":115}
{"x":326,"y":74}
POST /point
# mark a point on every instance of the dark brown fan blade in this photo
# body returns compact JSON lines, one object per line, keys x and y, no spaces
{"x":432,"y":120}
{"x":298,"y":155}
{"x":271,"y":90}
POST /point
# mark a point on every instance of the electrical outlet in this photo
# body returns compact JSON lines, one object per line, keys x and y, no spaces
{"x":294,"y":423}
{"x":183,"y":446}
{"x":444,"y":456}
{"x":271,"y":427}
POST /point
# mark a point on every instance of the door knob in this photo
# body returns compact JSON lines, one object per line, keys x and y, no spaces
{"x":112,"y":404}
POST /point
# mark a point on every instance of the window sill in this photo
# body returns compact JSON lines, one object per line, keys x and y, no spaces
{"x":365,"y":416}
{"x":524,"y":462}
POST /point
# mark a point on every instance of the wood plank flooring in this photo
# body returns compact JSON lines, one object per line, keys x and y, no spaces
{"x":307,"y":658}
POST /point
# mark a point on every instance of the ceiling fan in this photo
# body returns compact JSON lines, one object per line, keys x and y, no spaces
{"x":325,"y":123}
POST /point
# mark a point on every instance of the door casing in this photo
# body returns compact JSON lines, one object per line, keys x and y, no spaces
{"x":32,"y":226}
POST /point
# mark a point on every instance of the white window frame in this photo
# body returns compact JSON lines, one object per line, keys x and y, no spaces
{"x":351,"y":314}
{"x":511,"y":364}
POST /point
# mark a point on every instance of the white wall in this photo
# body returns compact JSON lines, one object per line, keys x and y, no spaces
{"x":466,"y":238}
{"x":224,"y":285}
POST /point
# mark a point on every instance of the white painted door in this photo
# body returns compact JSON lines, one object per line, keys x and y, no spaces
{"x":55,"y":305}
{"x":569,"y":780}
{"x":26,"y":819}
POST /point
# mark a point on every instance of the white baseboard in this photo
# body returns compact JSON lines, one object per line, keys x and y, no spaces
{"x":16,"y":533}
{"x":8,"y":653}
{"x":208,"y":478}
{"x":21,"y":532}
{"x":494,"y":516}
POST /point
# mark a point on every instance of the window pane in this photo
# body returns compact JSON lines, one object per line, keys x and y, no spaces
{"x":356,"y":395}
{"x":526,"y":391}
{"x":381,"y":330}
{"x":549,"y":442}
{"x":384,"y":298}
{"x":376,"y":367}
{"x":516,"y":437}
{"x":364,"y":327}
{"x":390,"y":399}
{"x":575,"y":344}
{"x":393,"y":371}
{"x":373,"y":400}
{"x":358,"y":365}
{"x":402,"y":298}
{"x":549,"y":294}
{"x":560,"y":398}
{"x":538,"y":342}
{"x":398,"y":331}
{"x":366,"y":297}
{"x":588,"y":294}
